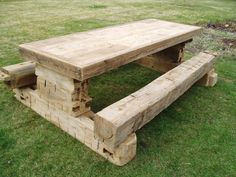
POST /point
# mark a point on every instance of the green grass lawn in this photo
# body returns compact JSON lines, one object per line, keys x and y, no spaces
{"x":195,"y":136}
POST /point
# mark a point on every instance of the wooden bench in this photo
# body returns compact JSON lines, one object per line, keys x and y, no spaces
{"x":54,"y":82}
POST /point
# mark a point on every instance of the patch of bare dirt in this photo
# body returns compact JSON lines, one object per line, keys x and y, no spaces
{"x":224,"y":26}
{"x":229,"y":42}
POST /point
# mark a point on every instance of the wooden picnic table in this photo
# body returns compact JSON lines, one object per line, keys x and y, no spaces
{"x":54,"y":82}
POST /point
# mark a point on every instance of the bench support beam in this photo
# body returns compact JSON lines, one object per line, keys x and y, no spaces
{"x":81,"y":127}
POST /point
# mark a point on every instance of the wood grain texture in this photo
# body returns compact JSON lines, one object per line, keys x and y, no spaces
{"x":164,"y":60}
{"x":209,"y":79}
{"x":65,"y":93}
{"x":81,"y":128}
{"x":4,"y":76}
{"x":114,"y":123}
{"x":87,"y":54}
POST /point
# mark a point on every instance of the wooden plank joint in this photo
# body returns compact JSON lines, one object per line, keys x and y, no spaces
{"x":65,"y":93}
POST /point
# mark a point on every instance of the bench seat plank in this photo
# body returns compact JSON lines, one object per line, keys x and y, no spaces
{"x":18,"y":75}
{"x":114,"y":123}
{"x":87,"y":54}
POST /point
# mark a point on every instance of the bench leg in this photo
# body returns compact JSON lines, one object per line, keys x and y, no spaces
{"x":81,"y":127}
{"x":209,"y":79}
{"x":165,"y":60}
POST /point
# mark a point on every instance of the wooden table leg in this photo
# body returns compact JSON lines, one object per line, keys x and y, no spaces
{"x":65,"y":102}
{"x":65,"y":93}
{"x":169,"y":58}
{"x":165,"y":60}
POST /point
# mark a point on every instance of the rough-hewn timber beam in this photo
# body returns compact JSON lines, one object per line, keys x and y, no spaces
{"x":19,"y":75}
{"x":164,"y":60}
{"x":81,"y":128}
{"x":116,"y":122}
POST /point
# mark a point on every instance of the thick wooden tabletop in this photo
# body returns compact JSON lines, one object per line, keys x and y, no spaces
{"x":86,"y":54}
